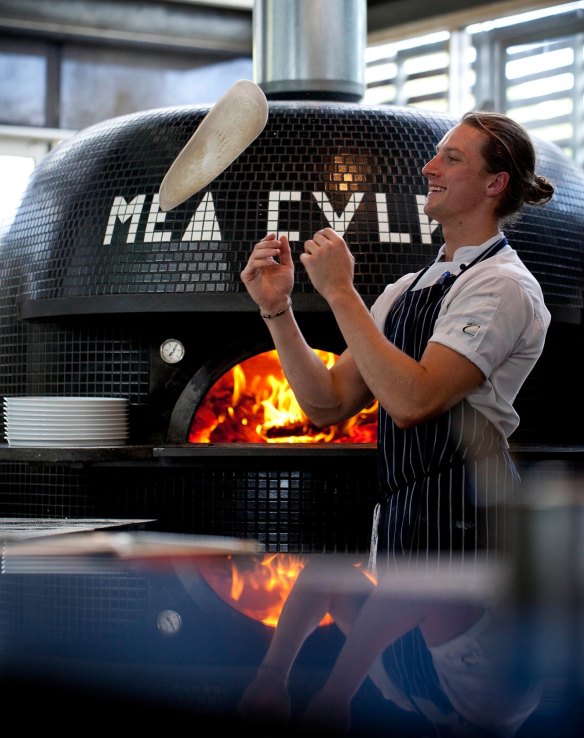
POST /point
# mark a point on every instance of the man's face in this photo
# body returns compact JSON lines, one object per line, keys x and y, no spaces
{"x":457,"y":180}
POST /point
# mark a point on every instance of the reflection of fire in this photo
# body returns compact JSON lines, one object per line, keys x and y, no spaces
{"x":253,"y":403}
{"x":260,"y":589}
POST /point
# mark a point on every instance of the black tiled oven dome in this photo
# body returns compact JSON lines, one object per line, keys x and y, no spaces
{"x":95,"y":276}
{"x":89,"y":237}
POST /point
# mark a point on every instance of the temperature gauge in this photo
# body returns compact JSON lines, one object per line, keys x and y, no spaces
{"x":172,"y":351}
{"x":169,"y":622}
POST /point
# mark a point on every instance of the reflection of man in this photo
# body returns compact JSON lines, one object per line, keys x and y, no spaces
{"x":447,"y":659}
{"x":465,"y":682}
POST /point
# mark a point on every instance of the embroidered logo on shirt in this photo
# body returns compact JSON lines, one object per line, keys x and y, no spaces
{"x":471,"y":329}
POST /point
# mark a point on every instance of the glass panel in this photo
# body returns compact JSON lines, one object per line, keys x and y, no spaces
{"x":434,"y":85}
{"x":542,"y":76}
{"x":380,"y":72}
{"x":124,"y":82}
{"x":534,"y":58}
{"x":23,"y":71}
{"x":380,"y":95}
{"x":541,"y":87}
{"x":426,"y":63}
{"x":537,"y":72}
{"x":15,"y":172}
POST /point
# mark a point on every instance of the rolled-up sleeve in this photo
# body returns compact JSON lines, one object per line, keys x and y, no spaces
{"x":488,"y":320}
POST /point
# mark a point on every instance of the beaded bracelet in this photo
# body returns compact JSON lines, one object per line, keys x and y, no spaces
{"x":281,"y":312}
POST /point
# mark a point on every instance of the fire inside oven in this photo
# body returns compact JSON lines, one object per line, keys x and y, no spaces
{"x":253,"y":403}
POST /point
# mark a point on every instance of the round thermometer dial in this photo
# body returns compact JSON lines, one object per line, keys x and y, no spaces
{"x":169,"y":622}
{"x":172,"y":350}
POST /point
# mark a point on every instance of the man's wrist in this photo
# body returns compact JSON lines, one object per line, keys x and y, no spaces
{"x":276,"y":313}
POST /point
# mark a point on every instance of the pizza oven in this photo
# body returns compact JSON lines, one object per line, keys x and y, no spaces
{"x":106,"y":295}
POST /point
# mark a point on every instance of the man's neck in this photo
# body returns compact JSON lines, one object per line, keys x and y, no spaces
{"x":455,"y":238}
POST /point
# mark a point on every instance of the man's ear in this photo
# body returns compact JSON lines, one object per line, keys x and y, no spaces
{"x":498,"y":184}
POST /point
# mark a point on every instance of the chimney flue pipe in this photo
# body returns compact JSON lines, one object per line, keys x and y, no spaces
{"x":310,"y":49}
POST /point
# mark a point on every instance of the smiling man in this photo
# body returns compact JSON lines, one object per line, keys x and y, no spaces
{"x":444,"y":351}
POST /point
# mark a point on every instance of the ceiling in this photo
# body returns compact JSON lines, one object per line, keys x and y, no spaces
{"x":223,"y":27}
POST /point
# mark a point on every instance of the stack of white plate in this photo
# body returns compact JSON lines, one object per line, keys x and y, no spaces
{"x":66,"y":422}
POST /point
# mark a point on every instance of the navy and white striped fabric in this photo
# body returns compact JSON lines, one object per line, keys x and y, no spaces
{"x":444,"y":482}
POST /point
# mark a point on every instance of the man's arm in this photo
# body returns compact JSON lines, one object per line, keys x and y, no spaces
{"x":410,"y":391}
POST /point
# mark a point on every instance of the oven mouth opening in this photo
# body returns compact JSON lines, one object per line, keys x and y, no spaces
{"x":253,"y":403}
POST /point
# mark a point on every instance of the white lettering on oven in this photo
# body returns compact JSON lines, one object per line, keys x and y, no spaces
{"x":204,"y":225}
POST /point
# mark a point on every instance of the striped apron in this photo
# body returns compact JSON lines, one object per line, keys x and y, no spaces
{"x":442,"y":483}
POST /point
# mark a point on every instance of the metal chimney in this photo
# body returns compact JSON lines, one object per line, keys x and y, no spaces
{"x":310,"y":49}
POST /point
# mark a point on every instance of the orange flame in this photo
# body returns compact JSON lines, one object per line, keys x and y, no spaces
{"x":254,"y":403}
{"x":261,"y":589}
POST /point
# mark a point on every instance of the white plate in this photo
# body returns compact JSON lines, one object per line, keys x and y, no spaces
{"x":67,"y":435}
{"x":71,"y":413}
{"x":62,"y":427}
{"x":31,"y":443}
{"x":46,"y":422}
{"x":64,"y":399}
{"x":65,"y":402}
{"x":67,"y":423}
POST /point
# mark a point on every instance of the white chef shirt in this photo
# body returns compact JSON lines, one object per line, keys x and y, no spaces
{"x":475,"y":671}
{"x":494,"y":314}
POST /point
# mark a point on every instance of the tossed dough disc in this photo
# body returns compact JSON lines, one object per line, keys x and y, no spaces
{"x":230,"y":126}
